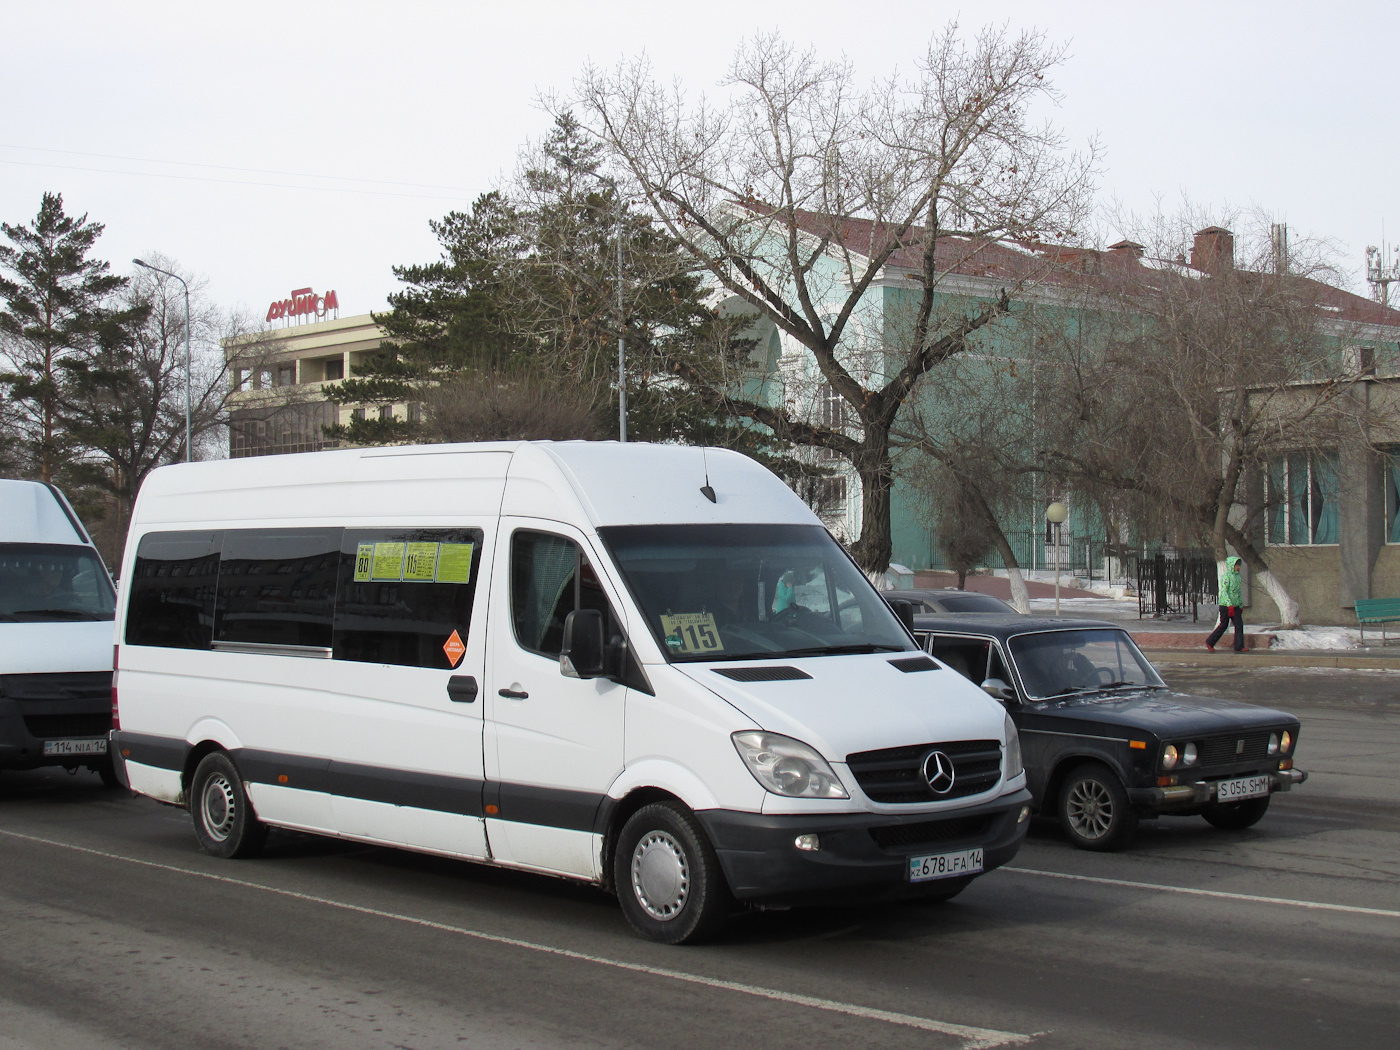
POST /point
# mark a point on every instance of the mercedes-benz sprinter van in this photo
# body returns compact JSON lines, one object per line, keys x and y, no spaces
{"x":56,"y":611}
{"x":645,"y":666}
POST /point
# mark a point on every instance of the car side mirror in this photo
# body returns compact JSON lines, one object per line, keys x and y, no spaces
{"x":998,"y":690}
{"x":905,"y":612}
{"x":582,"y":652}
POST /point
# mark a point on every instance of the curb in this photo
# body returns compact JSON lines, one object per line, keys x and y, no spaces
{"x":1267,"y":658}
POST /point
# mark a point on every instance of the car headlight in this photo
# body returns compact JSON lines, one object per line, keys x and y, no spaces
{"x":1170,"y":756}
{"x":1189,"y":755}
{"x":786,"y":766}
{"x":1273,"y":743}
{"x":1013,"y":749}
{"x":1286,"y":742}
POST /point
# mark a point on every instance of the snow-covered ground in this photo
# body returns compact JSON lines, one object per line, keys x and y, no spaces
{"x":1316,"y":638}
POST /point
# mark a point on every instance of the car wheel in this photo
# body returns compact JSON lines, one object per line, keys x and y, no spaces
{"x":224,"y":821}
{"x":1235,"y":815}
{"x":667,"y":876}
{"x":1094,"y":809}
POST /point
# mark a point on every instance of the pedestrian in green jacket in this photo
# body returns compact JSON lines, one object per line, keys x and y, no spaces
{"x":1228,"y":595}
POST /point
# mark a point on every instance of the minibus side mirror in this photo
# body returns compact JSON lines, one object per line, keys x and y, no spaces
{"x":996,"y":688}
{"x":582,"y":653}
{"x":905,"y":612}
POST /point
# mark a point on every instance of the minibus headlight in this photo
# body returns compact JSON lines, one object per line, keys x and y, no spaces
{"x":786,"y":766}
{"x":1013,"y":750}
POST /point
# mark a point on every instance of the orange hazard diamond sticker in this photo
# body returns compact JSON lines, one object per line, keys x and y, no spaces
{"x":454,"y":649}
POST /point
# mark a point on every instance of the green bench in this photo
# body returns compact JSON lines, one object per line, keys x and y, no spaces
{"x":1377,"y":610}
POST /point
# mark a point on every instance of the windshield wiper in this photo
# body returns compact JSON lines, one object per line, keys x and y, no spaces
{"x":854,"y":647}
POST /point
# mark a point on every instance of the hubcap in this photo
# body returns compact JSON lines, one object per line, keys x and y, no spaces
{"x":217,"y":807}
{"x":1090,"y":809}
{"x":660,"y":875}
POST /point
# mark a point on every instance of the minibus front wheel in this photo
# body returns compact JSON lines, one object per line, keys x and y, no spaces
{"x":667,"y":877}
{"x":224,"y":821}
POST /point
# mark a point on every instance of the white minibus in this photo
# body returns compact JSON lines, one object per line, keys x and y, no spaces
{"x":644,"y":666}
{"x":56,"y":610}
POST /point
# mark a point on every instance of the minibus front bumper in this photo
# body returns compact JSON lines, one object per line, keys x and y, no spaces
{"x":858,"y":856}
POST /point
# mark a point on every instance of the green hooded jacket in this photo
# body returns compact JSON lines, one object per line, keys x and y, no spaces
{"x":1229,"y":593}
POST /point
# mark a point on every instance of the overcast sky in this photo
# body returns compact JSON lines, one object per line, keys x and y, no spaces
{"x":190,"y":129}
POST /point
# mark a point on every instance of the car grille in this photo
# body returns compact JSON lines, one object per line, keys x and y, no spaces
{"x":1223,"y":750}
{"x":899,"y":837}
{"x":895,"y":774}
{"x":71,"y":685}
{"x":48,"y":726}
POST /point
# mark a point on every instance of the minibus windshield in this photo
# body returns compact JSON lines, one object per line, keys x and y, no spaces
{"x":740,"y":592}
{"x":53,"y":583}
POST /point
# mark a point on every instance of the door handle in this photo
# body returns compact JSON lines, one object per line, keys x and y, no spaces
{"x":513,"y":694}
{"x":461,"y":689}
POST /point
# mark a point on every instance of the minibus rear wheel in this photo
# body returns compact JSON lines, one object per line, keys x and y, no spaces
{"x":667,"y":876}
{"x":224,"y":821}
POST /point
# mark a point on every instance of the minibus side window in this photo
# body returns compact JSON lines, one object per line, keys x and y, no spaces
{"x":402,"y":594}
{"x":277,"y":586}
{"x":550,"y":577}
{"x":172,"y":590}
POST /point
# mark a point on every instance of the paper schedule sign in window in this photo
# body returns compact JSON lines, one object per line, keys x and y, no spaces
{"x":417,"y":562}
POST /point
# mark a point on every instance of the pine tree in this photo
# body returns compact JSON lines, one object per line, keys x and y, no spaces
{"x":53,"y":296}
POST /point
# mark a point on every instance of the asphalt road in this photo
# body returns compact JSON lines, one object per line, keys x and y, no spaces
{"x":115,"y":931}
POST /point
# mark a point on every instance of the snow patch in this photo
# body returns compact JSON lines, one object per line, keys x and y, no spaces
{"x":1317,"y":638}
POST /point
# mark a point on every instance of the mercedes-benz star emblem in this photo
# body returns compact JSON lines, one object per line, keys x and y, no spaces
{"x":938,"y":771}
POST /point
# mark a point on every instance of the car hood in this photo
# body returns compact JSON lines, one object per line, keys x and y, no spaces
{"x":1161,"y":711}
{"x":66,"y":645}
{"x":854,"y":703}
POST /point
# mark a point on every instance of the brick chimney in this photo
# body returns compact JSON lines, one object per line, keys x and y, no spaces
{"x":1213,"y":250}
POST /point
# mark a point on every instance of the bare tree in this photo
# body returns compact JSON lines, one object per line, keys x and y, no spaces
{"x":801,"y":191}
{"x":1190,"y":375}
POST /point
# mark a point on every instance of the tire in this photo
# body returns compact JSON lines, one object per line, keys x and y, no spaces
{"x":224,"y":821}
{"x":108,"y":772}
{"x":667,"y":876}
{"x":1232,"y":816}
{"x":1094,"y":809}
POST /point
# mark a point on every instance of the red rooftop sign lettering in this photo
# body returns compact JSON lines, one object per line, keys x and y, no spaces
{"x":303,"y":303}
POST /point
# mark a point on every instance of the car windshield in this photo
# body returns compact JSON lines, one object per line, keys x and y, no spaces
{"x":973,"y":603}
{"x":50,"y":582}
{"x":728,"y":592}
{"x":1060,"y":663}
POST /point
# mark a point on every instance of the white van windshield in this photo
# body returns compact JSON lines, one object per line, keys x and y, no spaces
{"x":51,"y":583}
{"x":738,"y":592}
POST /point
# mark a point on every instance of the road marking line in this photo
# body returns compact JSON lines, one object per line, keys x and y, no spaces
{"x":1313,"y":905}
{"x":973,"y":1038}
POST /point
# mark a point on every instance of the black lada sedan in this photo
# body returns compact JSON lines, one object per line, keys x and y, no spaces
{"x":1104,"y":740}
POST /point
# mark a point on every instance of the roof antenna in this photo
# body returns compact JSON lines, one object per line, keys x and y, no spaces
{"x":705,"y":489}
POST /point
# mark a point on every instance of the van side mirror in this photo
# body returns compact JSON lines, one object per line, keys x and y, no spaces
{"x":998,"y":690}
{"x":905,"y":612}
{"x":582,"y":652}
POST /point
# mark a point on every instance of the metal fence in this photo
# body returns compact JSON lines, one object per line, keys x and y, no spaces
{"x":1173,"y":580}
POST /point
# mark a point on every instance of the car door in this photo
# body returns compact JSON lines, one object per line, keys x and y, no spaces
{"x":554,"y":744}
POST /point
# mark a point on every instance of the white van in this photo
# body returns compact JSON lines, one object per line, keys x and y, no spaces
{"x":56,"y":609}
{"x":645,"y":666}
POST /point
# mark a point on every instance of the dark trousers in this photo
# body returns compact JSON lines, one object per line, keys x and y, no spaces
{"x":1223,"y":625}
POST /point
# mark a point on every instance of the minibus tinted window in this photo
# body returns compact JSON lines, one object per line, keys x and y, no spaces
{"x":550,"y":577}
{"x":403,"y":594}
{"x":726,"y":592}
{"x":52,"y":583}
{"x":277,"y":586}
{"x":172,"y":590}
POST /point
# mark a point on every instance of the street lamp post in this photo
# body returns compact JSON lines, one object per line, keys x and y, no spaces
{"x":621,"y":334}
{"x":1055,"y":514}
{"x":157,"y":269}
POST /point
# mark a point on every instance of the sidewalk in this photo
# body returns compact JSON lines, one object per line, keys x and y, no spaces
{"x":1345,"y":659}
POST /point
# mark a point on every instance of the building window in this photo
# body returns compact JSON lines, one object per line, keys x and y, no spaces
{"x":826,"y":495}
{"x":1391,"y":466}
{"x":1301,"y":496}
{"x":415,"y":412}
{"x":335,"y":368}
{"x":357,"y":415}
{"x":386,"y":413}
{"x":286,"y":375}
{"x":831,"y":408}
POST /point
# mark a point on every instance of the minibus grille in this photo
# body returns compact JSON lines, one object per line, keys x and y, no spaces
{"x":901,"y":837}
{"x":46,"y":727}
{"x":896,"y":774}
{"x":68,"y":685}
{"x":1222,"y":750}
